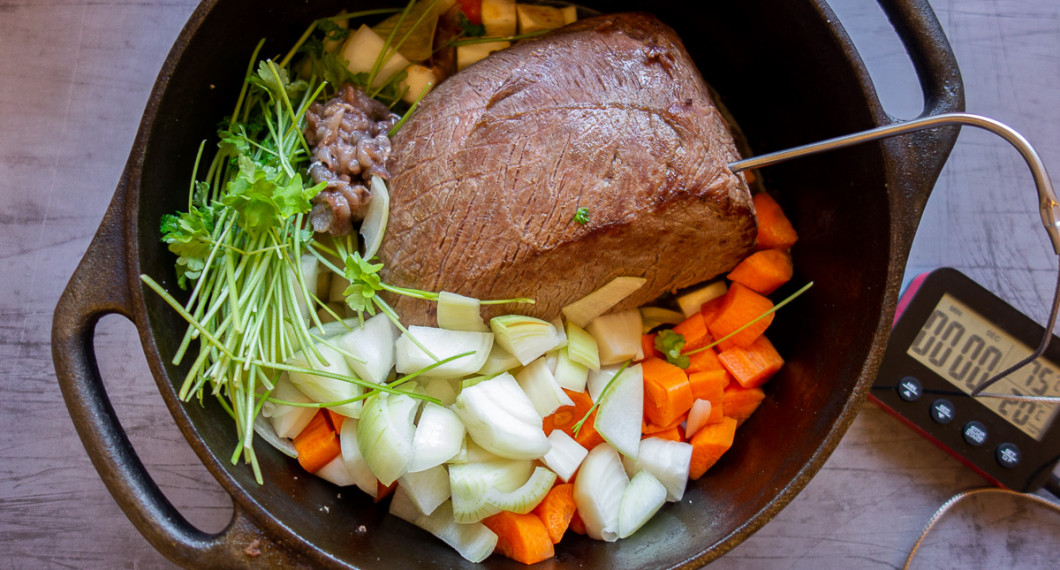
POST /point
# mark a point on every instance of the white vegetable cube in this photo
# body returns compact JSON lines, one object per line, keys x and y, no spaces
{"x":692,"y":301}
{"x":644,"y":496}
{"x":499,"y":17}
{"x":499,"y":360}
{"x":470,"y":53}
{"x":541,"y":387}
{"x":287,"y":421}
{"x":667,"y":460}
{"x":617,"y":336}
{"x":501,"y":418}
{"x":362,"y":49}
{"x":460,"y":313}
{"x":565,"y":456}
{"x":442,"y":344}
{"x":326,"y":389}
{"x":427,"y":489}
{"x":535,"y":18}
{"x":419,"y":81}
{"x":371,"y":347}
{"x":697,"y":417}
{"x":335,"y":472}
{"x":584,"y":310}
{"x":570,"y":374}
{"x":470,"y":483}
{"x":385,"y":434}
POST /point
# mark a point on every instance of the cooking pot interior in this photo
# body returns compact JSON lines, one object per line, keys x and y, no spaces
{"x":787,"y":77}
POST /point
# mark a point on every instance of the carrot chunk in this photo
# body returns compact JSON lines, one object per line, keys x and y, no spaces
{"x":710,"y":386}
{"x":556,"y":510}
{"x":752,"y":366}
{"x":763,"y":271}
{"x":673,"y":434}
{"x":709,"y":310}
{"x":741,"y":306}
{"x":774,"y":227}
{"x":565,"y":418}
{"x":317,"y":444}
{"x":647,"y":345}
{"x":694,"y":329}
{"x":523,"y":538}
{"x":739,"y":402}
{"x":577,"y":525}
{"x":702,"y":361}
{"x":709,"y":444}
{"x":667,"y":394}
{"x":336,"y":419}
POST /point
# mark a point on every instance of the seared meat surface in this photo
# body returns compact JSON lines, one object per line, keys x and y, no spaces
{"x":608,"y":114}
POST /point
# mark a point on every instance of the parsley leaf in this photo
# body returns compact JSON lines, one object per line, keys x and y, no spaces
{"x":364,"y":283}
{"x":190,"y":237}
{"x":265,"y":196}
{"x":581,"y":215}
{"x":670,"y":344}
{"x":469,"y":29}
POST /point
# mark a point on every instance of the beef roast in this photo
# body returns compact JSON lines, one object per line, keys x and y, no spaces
{"x":607,"y":114}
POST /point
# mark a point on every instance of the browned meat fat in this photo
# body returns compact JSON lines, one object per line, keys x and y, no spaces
{"x":607,"y":114}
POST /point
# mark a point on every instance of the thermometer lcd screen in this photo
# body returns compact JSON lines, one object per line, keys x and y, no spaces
{"x":966,"y":349}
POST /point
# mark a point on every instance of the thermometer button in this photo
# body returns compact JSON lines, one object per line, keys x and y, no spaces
{"x":909,"y":389}
{"x":1008,"y":455}
{"x":974,"y":433}
{"x":942,"y":411}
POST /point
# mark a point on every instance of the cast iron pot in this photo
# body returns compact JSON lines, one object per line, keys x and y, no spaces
{"x":786,"y":71}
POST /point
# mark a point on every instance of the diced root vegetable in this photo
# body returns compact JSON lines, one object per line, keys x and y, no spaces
{"x":582,"y":347}
{"x":534,"y":18}
{"x":527,"y":496}
{"x":556,"y":510}
{"x":317,"y":444}
{"x":335,"y":472}
{"x":442,"y":344}
{"x":419,"y":81}
{"x":643,"y":497}
{"x":373,"y":227}
{"x":473,"y":541}
{"x":501,"y":418}
{"x":385,"y":434}
{"x":565,"y":455}
{"x":521,"y":537}
{"x":427,"y":489}
{"x":617,"y":336}
{"x":698,"y":417}
{"x":764,"y":271}
{"x":774,"y":227}
{"x":667,"y":393}
{"x":668,"y":461}
{"x":468,"y":54}
{"x":324,"y":389}
{"x":540,"y":385}
{"x":460,"y":313}
{"x":287,"y":421}
{"x":754,"y":365}
{"x":373,"y":346}
{"x":692,"y":301}
{"x":569,"y":374}
{"x":499,"y":360}
{"x":361,"y":50}
{"x":598,"y":492}
{"x":355,"y":464}
{"x":584,"y":310}
{"x":738,"y":311}
{"x":709,"y":444}
{"x":499,"y":17}
{"x":652,"y":317}
{"x":525,"y":337}
{"x":471,"y":482}
{"x":739,"y":402}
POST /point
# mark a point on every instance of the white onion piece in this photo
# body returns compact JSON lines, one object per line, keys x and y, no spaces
{"x":374,"y":225}
{"x":385,"y":433}
{"x":460,"y":313}
{"x":598,"y":492}
{"x":441,"y":389}
{"x":402,"y":507}
{"x":501,"y":418}
{"x":565,"y":456}
{"x":697,"y":417}
{"x":355,"y":464}
{"x":582,"y":347}
{"x":427,"y":489}
{"x":692,"y":301}
{"x":527,"y":496}
{"x":439,"y":436}
{"x":540,"y":385}
{"x":470,"y":484}
{"x":526,"y":337}
{"x":499,"y":360}
{"x":474,"y":541}
{"x":584,"y":310}
{"x":472,"y":452}
{"x":570,"y":374}
{"x":373,"y":346}
{"x":598,"y":379}
{"x":443,"y":344}
{"x":287,"y":421}
{"x":324,"y":389}
{"x":652,"y":317}
{"x":667,"y":460}
{"x":618,"y":419}
{"x":643,"y":497}
{"x":618,"y":336}
{"x":264,"y":429}
{"x":335,"y":472}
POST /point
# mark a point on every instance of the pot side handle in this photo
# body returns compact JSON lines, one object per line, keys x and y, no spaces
{"x":921,"y":155}
{"x":97,"y":288}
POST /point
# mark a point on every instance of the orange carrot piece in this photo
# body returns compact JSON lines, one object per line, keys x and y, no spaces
{"x":523,"y":538}
{"x":577,"y":525}
{"x":648,"y":428}
{"x":667,"y":394}
{"x":710,"y":386}
{"x":740,"y":307}
{"x":647,"y":345}
{"x":336,"y":419}
{"x":383,"y":491}
{"x":709,"y":310}
{"x":709,"y":444}
{"x":317,"y":444}
{"x":754,"y":365}
{"x":702,"y":361}
{"x":763,"y":271}
{"x":774,"y":227}
{"x":739,"y":402}
{"x":565,"y":417}
{"x":587,"y":435}
{"x":556,"y":510}
{"x":673,"y":434}
{"x":694,"y":329}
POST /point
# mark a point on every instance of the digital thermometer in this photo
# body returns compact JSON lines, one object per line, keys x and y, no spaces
{"x":949,"y":336}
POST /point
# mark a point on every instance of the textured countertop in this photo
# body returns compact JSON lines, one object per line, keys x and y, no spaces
{"x":74,"y":79}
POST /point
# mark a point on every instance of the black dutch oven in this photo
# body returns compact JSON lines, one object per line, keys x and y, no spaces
{"x":788,"y":74}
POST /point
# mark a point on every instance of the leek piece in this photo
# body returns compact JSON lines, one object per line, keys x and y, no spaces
{"x":618,"y":419}
{"x":565,"y":456}
{"x":582,"y":347}
{"x":525,"y":337}
{"x":287,"y":421}
{"x":355,"y":463}
{"x":570,"y":374}
{"x":427,"y":489}
{"x":617,"y":336}
{"x":442,"y":344}
{"x":335,"y":472}
{"x":373,"y":346}
{"x":471,"y":483}
{"x":439,"y":436}
{"x":584,"y":310}
{"x":460,"y":313}
{"x":692,"y":301}
{"x":540,"y":385}
{"x":501,"y":418}
{"x":652,"y":317}
{"x":385,"y":434}
{"x":527,"y":496}
{"x":598,"y":490}
{"x":667,"y":460}
{"x":322,"y":389}
{"x":499,"y":360}
{"x":643,"y":497}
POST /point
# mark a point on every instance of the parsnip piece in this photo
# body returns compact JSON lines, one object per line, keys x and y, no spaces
{"x":499,"y":17}
{"x":534,"y":18}
{"x":470,"y":53}
{"x":361,"y":50}
{"x":419,"y":77}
